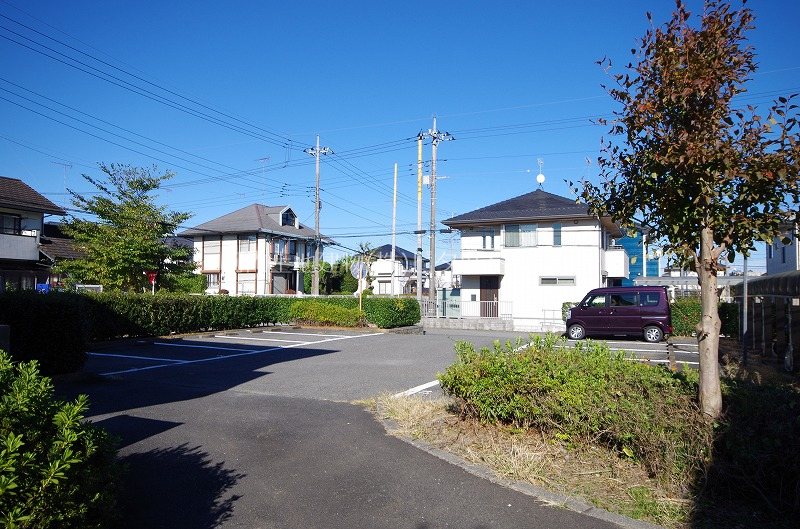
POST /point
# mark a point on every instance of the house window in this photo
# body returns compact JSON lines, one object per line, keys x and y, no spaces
{"x":518,"y":235}
{"x":287,"y":219}
{"x":384,"y":287}
{"x":212,"y":281}
{"x":292,"y":248}
{"x":769,"y":251}
{"x":10,"y":224}
{"x":487,"y":235}
{"x":247,"y":244}
{"x":556,"y":234}
{"x":557,"y":281}
{"x":246,"y":284}
{"x":210,"y":248}
{"x":783,"y":254}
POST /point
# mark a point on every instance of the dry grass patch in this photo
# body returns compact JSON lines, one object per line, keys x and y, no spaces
{"x":596,"y":474}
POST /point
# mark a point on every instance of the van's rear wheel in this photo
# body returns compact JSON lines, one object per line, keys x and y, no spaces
{"x":576,"y":332}
{"x":653,"y":334}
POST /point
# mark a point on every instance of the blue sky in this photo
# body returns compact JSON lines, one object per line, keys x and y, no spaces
{"x":253,"y":82}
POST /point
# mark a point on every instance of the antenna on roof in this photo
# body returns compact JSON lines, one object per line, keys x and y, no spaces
{"x":540,"y":176}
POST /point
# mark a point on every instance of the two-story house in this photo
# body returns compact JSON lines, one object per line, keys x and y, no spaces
{"x":22,"y":212}
{"x":522,"y":258}
{"x":256,"y":250}
{"x":398,"y":276}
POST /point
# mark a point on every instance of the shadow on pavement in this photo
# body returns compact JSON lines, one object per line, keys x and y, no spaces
{"x":176,"y":488}
{"x":176,"y":382}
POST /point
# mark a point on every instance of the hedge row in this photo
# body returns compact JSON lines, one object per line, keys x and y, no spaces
{"x":317,"y":313}
{"x":54,"y":328}
{"x":686,"y":315}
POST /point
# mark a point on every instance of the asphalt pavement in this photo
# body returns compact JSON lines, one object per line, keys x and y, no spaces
{"x":257,"y":430}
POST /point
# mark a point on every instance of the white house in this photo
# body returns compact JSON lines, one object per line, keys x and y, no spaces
{"x":256,"y":250}
{"x":522,"y":258}
{"x":398,"y":276}
{"x":23,"y":263}
{"x":783,"y":257}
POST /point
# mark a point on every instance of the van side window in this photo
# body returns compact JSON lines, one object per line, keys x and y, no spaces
{"x":624,"y":300}
{"x":596,"y":301}
{"x":650,"y":299}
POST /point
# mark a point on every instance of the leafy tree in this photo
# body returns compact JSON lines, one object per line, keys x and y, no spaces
{"x":128,"y":237}
{"x":708,"y":177}
{"x":324,"y":276}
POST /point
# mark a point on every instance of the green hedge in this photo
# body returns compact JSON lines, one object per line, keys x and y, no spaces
{"x":318,"y":313}
{"x":54,"y":328}
{"x":586,"y":394}
{"x":686,"y":315}
{"x":388,"y":313}
{"x":56,"y":471}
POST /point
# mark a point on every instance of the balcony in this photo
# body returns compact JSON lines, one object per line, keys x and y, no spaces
{"x":19,"y":247}
{"x":615,"y":262}
{"x":479,"y":266}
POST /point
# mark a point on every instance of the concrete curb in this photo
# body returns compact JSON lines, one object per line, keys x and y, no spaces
{"x":545,"y":496}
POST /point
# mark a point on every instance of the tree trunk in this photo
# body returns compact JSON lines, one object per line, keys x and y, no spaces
{"x":708,"y":328}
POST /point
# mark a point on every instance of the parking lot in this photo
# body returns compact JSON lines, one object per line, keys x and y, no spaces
{"x":254,"y":428}
{"x":321,"y":364}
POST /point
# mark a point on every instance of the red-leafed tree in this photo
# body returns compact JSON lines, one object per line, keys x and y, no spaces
{"x":707,"y":175}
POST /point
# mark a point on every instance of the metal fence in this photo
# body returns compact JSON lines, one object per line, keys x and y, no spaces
{"x":466,"y":309}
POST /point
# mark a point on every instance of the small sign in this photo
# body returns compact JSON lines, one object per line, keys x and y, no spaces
{"x":359,"y":269}
{"x":151,"y":276}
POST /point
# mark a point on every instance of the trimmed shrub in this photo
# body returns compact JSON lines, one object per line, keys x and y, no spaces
{"x":388,"y":313}
{"x":585,"y":394}
{"x":50,"y":328}
{"x":56,"y":471}
{"x":314,"y":312}
{"x":686,"y":315}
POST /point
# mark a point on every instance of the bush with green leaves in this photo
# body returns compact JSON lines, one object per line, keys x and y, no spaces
{"x":586,"y":393}
{"x":318,"y":313}
{"x":56,"y":471}
{"x":686,"y":314}
{"x":388,"y":313}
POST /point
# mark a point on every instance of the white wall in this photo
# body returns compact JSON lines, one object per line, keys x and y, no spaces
{"x":782,"y":258}
{"x":578,"y":257}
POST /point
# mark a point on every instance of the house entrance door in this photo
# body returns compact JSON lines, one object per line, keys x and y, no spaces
{"x":490,"y":288}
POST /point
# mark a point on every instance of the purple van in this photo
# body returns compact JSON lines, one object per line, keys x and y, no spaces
{"x":631,"y":311}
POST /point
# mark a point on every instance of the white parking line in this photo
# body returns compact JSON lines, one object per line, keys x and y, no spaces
{"x":258,"y":339}
{"x":416,"y":389}
{"x":136,"y":357}
{"x":307,"y":334}
{"x":167,"y":344}
{"x":225,"y":357}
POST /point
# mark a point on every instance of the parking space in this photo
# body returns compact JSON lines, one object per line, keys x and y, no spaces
{"x":147,"y":355}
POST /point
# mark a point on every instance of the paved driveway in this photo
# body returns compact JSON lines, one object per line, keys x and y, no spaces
{"x":255,"y":430}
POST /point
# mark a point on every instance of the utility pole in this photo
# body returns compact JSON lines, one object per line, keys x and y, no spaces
{"x":436,"y":137}
{"x":394,"y":227}
{"x":420,"y":136}
{"x":66,"y":166}
{"x":316,"y":152}
{"x":264,"y":162}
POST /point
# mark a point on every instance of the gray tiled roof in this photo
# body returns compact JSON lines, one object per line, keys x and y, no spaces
{"x":250,"y":219}
{"x":17,"y":194}
{"x":385,"y":252}
{"x":536,"y":205}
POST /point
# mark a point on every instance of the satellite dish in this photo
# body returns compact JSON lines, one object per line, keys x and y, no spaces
{"x":540,"y":178}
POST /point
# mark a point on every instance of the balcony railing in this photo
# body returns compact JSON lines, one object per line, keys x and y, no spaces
{"x":21,"y":247}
